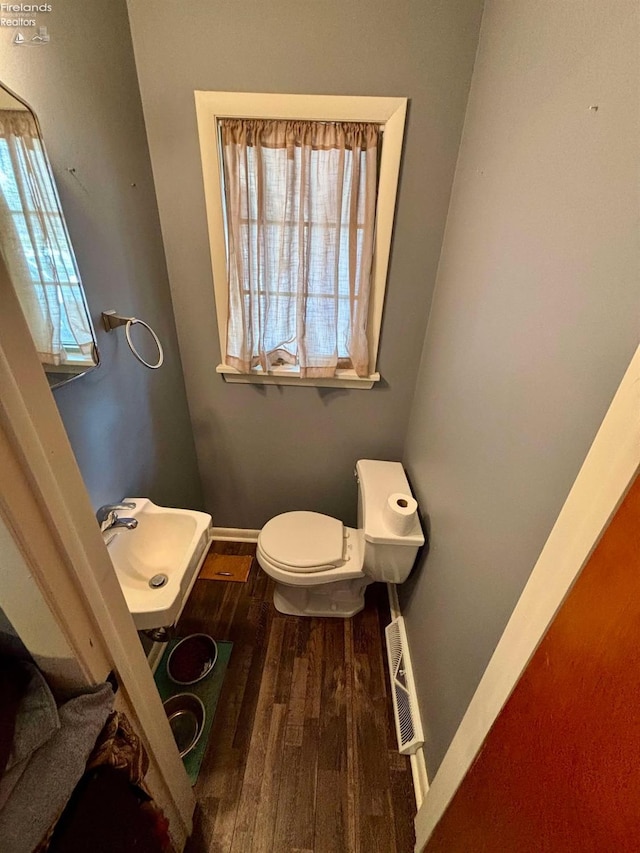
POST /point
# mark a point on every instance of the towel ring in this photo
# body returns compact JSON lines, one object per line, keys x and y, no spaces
{"x":112,"y":321}
{"x":127,"y":331}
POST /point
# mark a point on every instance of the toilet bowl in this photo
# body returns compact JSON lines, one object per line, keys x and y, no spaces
{"x":321,"y":567}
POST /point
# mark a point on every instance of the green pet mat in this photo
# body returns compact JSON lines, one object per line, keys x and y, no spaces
{"x":208,"y":690}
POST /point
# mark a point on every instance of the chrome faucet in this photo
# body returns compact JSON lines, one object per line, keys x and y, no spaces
{"x":108,"y":517}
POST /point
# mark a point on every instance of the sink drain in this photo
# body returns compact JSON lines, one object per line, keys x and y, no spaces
{"x":157,"y":581}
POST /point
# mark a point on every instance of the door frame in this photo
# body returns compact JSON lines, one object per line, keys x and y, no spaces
{"x":46,"y":507}
{"x":608,"y":471}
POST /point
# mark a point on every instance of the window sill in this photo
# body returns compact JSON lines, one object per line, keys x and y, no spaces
{"x":289,"y":376}
{"x":71,"y":365}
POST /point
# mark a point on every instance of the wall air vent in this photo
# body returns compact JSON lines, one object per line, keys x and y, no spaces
{"x":403,"y":691}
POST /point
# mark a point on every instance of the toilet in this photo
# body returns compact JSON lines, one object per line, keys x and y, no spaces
{"x":322,"y":568}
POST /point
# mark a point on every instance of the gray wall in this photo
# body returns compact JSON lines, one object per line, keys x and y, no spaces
{"x":129,"y":426}
{"x":535,"y":318}
{"x":265,"y":450}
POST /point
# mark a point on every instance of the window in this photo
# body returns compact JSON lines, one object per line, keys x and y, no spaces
{"x":300,"y":194}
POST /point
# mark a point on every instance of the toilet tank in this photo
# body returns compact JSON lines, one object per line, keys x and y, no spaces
{"x":387,"y":556}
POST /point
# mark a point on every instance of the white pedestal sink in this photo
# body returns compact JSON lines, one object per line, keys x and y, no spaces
{"x":168,"y":546}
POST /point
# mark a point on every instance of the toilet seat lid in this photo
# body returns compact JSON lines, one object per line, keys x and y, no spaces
{"x":303,"y":540}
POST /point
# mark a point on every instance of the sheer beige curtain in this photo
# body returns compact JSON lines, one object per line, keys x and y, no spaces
{"x":34,"y":243}
{"x":300,"y":205}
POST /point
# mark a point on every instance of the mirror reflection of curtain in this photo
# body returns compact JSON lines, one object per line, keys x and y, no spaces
{"x":35,"y":245}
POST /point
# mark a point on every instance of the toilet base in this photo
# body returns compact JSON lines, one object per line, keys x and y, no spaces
{"x":342,"y":599}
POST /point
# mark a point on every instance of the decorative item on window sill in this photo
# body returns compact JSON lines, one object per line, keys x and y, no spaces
{"x":112,"y":321}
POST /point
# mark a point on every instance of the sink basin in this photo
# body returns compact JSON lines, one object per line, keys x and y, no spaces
{"x":168,"y":546}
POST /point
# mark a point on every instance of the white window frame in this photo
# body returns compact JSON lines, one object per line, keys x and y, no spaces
{"x":390,"y":114}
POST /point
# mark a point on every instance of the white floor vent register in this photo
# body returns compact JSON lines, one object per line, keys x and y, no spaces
{"x":405,"y":703}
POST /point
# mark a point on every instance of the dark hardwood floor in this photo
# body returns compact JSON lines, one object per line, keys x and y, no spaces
{"x":303,"y":754}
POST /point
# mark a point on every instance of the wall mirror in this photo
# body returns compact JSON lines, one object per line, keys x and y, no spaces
{"x":37,"y":251}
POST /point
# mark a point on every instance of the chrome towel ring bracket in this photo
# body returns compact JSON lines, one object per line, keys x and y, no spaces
{"x":112,"y":320}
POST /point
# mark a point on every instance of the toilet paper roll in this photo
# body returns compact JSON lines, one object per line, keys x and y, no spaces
{"x":399,"y":513}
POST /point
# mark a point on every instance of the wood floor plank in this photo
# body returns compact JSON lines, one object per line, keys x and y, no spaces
{"x":333,"y":717}
{"x":369,"y":643}
{"x":331,"y":826}
{"x":302,"y":756}
{"x":315,"y":655}
{"x":257,"y":752}
{"x":203,"y":825}
{"x":298,"y":692}
{"x":260,"y":623}
{"x":298,"y":787}
{"x":353,"y":792}
{"x":404,"y":808}
{"x":287,"y":658}
{"x":295,"y":821}
{"x":332,"y":830}
{"x":267,"y":803}
{"x":229,"y":786}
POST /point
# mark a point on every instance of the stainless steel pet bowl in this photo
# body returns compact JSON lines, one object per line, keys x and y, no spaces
{"x":192,"y":659}
{"x":186,"y":715}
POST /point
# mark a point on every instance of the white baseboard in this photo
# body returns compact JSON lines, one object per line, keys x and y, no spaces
{"x":234,"y":534}
{"x":418,"y":764}
{"x":419,"y":773}
{"x":394,"y":603}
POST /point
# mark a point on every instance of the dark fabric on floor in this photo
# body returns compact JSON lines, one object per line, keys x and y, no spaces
{"x":107,"y":814}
